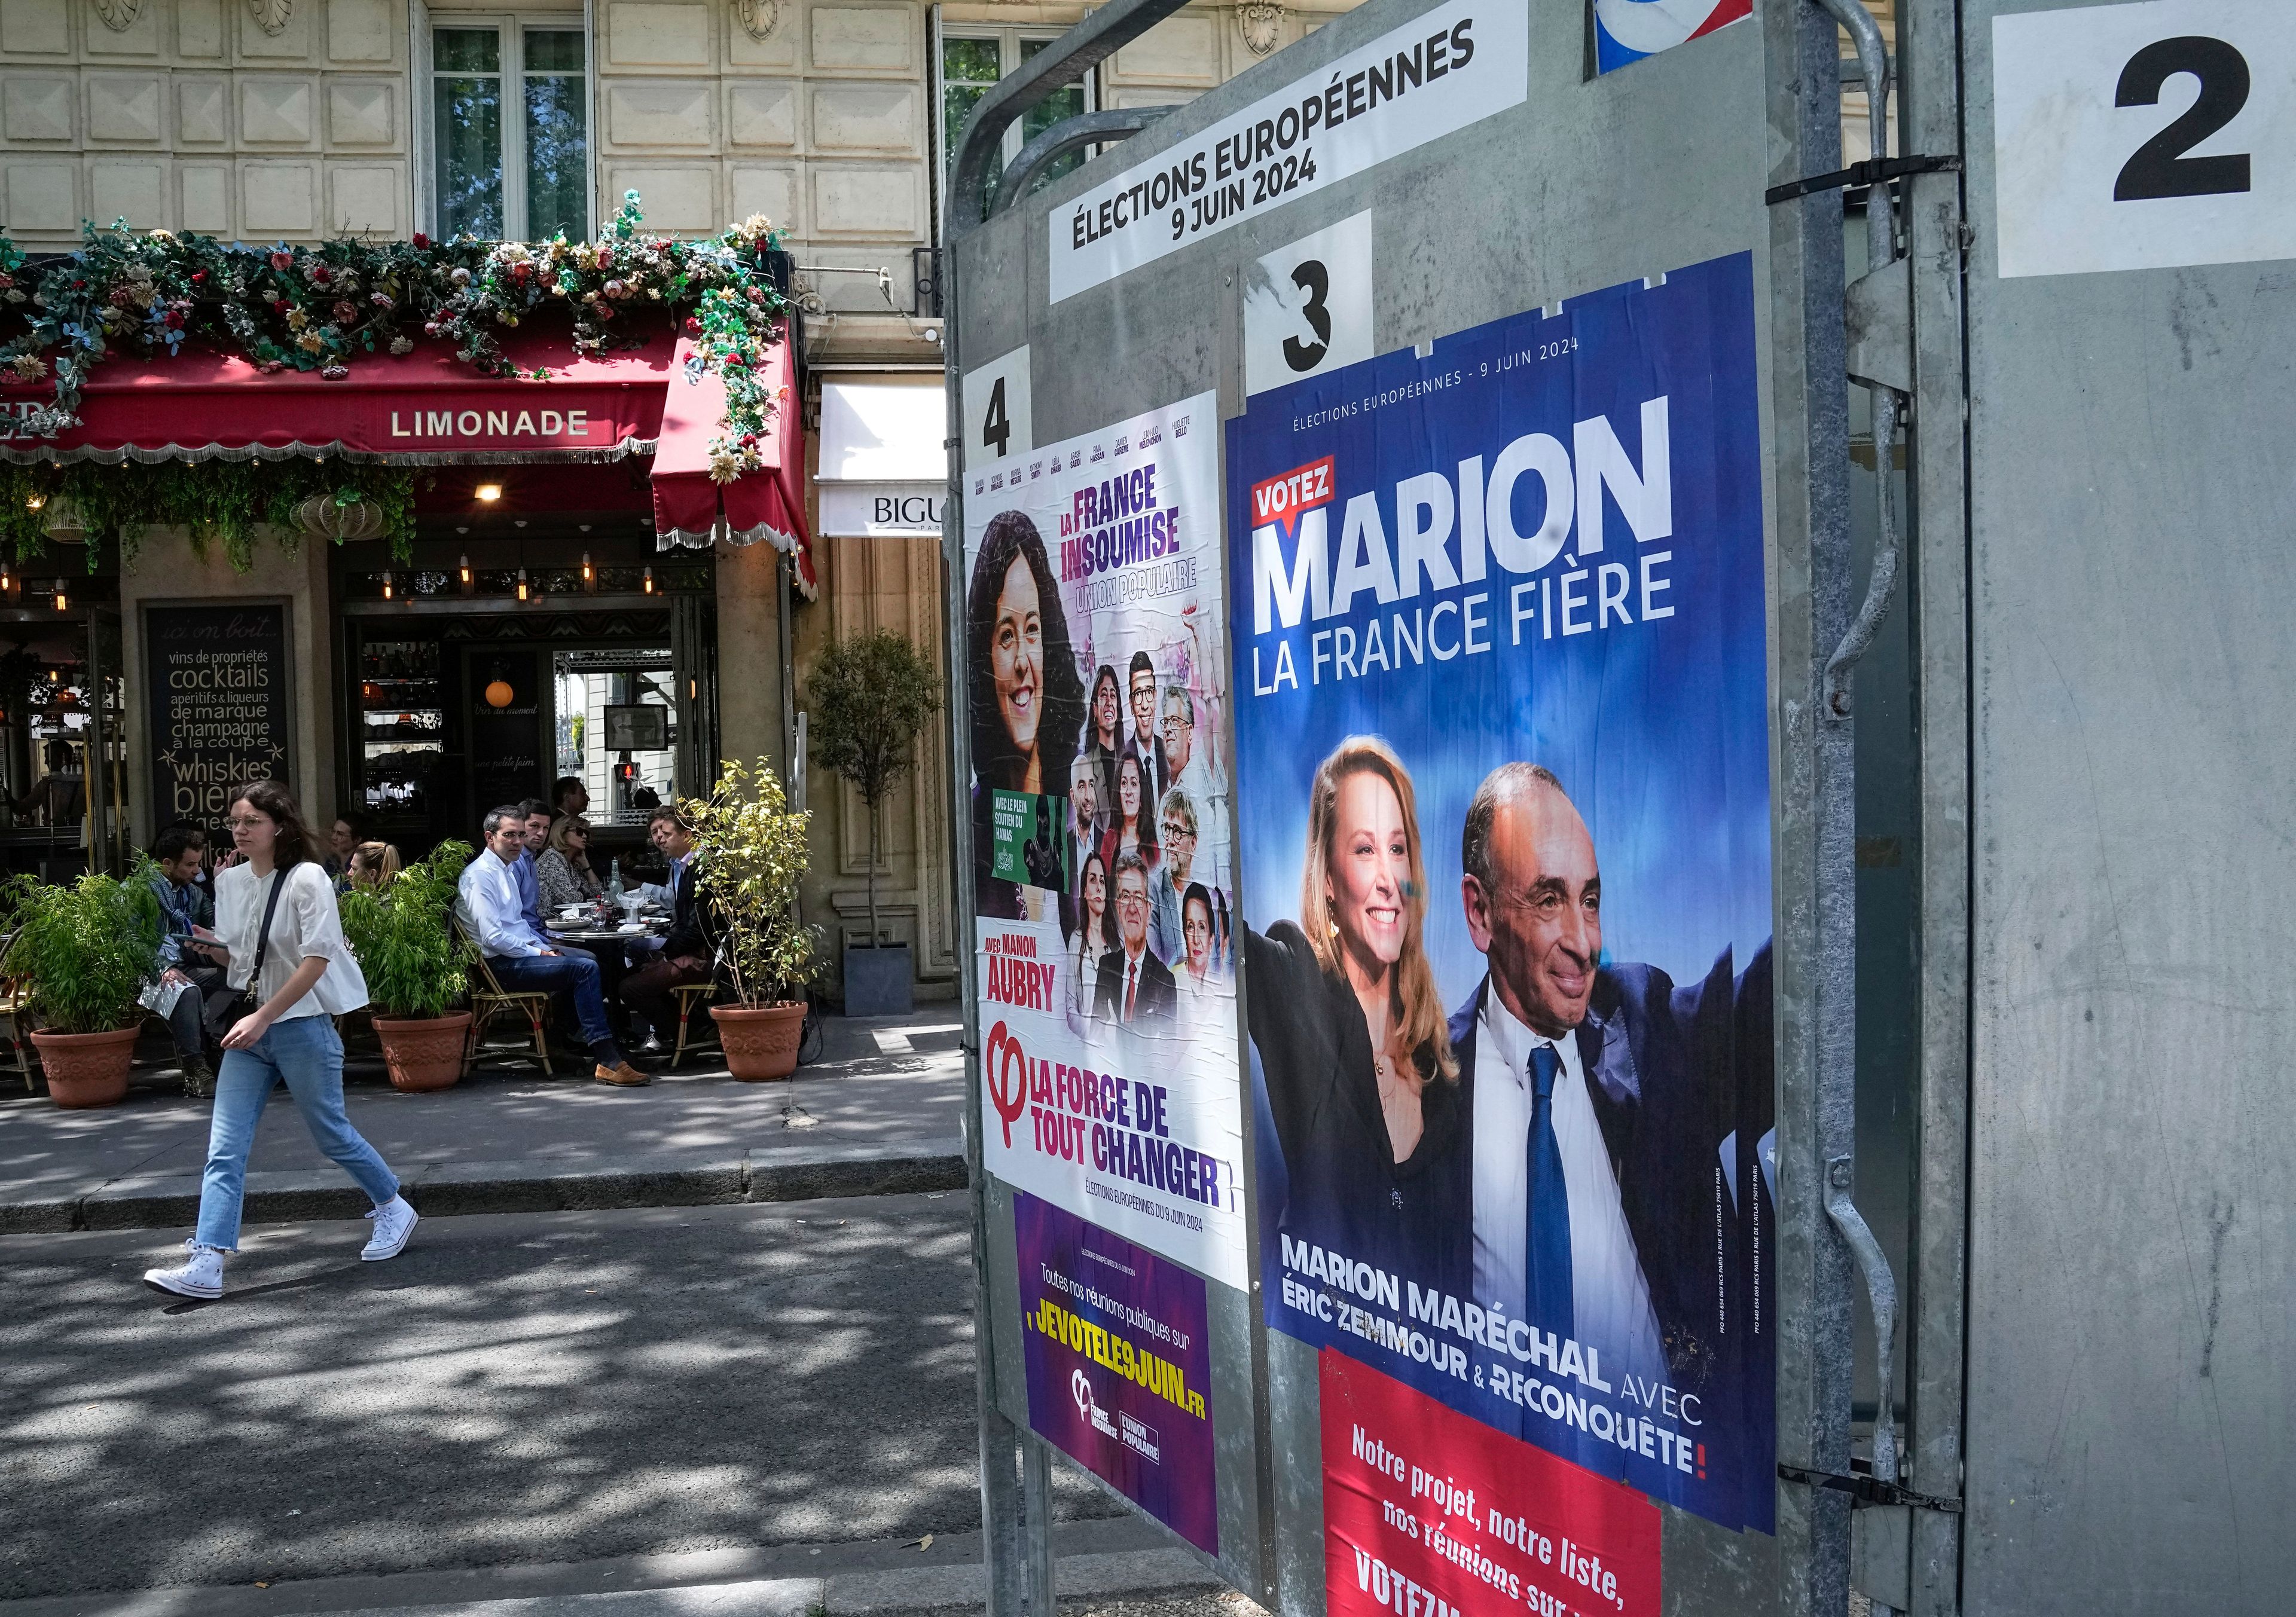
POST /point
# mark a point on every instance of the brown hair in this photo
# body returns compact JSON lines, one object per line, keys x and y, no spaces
{"x":1417,"y":1005}
{"x":378,"y":863}
{"x":273,"y":801}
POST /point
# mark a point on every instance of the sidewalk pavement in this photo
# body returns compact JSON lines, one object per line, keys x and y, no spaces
{"x":878,"y":1110}
{"x":1126,"y":1557}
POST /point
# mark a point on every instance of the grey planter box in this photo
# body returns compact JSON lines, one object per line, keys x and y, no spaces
{"x":878,"y":982}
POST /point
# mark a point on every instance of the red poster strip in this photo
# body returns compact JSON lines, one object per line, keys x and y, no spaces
{"x":1429,"y":1514}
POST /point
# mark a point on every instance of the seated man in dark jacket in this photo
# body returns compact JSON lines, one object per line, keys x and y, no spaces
{"x":685,"y":955}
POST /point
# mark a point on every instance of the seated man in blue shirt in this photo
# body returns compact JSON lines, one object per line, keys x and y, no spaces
{"x":185,"y":957}
{"x":522,"y":954}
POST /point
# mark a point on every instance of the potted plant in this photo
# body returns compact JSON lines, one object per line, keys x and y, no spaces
{"x":749,"y":855}
{"x":415,"y":971}
{"x":869,"y":696}
{"x":84,"y":953}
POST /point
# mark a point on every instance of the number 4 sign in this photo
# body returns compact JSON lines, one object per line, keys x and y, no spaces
{"x":996,"y":416}
{"x":2145,"y":136}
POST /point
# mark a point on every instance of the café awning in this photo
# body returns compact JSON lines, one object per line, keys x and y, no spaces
{"x":691,"y":508}
{"x":883,"y":470}
{"x":424,"y":408}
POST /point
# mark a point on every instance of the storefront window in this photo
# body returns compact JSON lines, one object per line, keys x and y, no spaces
{"x":616,"y":723}
{"x":529,"y":170}
{"x":402,"y":726}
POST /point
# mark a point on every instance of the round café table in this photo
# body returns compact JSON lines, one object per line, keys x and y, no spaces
{"x":612,"y":962}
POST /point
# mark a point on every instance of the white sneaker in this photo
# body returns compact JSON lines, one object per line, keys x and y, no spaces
{"x":394,"y":1221}
{"x":201,"y":1275}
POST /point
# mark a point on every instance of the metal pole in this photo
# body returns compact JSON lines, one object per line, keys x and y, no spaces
{"x":1015,"y":1509}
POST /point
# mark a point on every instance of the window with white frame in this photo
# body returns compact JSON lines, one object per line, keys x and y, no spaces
{"x":972,"y":59}
{"x":510,"y":130}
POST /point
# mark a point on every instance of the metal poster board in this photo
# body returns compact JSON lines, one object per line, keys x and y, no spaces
{"x":220,"y":678}
{"x":1367,"y":518}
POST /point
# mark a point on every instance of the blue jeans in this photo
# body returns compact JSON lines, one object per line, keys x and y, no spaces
{"x":571,"y":972}
{"x":305,"y":1054}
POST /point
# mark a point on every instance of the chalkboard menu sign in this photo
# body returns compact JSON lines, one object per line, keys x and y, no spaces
{"x":506,"y":711}
{"x":220,"y":687}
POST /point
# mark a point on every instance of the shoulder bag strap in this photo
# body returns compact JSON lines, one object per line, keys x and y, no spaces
{"x":263,"y":935}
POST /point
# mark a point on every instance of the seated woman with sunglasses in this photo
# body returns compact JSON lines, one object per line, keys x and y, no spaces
{"x":562,"y":870}
{"x":276,"y":915}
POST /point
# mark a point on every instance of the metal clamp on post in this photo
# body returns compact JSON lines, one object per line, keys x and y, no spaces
{"x":1867,"y":1490}
{"x":1872,"y":171}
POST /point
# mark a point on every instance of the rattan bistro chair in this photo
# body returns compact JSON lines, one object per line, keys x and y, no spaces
{"x":15,"y":1012}
{"x":489,"y":999}
{"x":689,"y":995}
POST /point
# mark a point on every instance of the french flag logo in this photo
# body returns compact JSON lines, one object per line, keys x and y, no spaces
{"x":1627,"y":31}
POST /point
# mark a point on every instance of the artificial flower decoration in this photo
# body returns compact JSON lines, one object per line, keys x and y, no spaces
{"x":285,"y":307}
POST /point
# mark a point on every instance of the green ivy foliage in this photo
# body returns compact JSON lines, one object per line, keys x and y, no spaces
{"x":86,"y":950}
{"x":400,"y":935}
{"x":218,"y":502}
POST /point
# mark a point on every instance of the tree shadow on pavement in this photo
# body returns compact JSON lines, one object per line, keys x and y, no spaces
{"x":509,"y":1390}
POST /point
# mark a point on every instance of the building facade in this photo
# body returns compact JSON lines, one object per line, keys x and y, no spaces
{"x":301,"y":120}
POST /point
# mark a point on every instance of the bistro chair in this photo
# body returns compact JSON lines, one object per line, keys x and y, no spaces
{"x":689,"y":995}
{"x":490,"y":998}
{"x":15,"y":1010}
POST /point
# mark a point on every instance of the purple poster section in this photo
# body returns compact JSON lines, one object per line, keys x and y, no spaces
{"x":1118,"y":1365}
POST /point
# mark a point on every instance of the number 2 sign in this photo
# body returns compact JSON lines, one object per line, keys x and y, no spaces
{"x":2145,"y":136}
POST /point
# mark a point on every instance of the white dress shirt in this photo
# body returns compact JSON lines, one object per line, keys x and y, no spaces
{"x":492,"y":910}
{"x":1609,"y":1296}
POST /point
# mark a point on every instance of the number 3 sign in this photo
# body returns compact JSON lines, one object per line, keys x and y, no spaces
{"x":2145,"y":136}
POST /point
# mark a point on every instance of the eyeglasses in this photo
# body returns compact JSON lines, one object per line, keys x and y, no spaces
{"x":248,"y":822}
{"x":1178,"y":833}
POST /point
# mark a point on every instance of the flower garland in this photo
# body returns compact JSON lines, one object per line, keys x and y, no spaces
{"x":318,"y":308}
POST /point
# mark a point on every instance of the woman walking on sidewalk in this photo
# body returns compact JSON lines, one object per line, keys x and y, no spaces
{"x":276,"y":914}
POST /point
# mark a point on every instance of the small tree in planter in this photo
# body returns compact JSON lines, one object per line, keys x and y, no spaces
{"x":750,"y":852}
{"x":869,"y":696}
{"x":415,"y":972}
{"x":84,"y":952}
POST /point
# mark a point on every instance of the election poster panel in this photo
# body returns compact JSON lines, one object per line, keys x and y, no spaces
{"x":1118,"y":1365}
{"x":1096,"y":651}
{"x":1504,"y":801}
{"x":1427,"y":1511}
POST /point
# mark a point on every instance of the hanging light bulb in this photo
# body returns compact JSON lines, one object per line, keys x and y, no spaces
{"x":55,"y":676}
{"x":386,"y":583}
{"x":465,"y":570}
{"x":589,"y":573}
{"x":63,"y":600}
{"x":36,"y":502}
{"x":649,"y":581}
{"x":522,"y":584}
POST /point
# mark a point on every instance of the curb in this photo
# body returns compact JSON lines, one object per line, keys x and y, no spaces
{"x":772,"y":1174}
{"x":1138,"y":1575}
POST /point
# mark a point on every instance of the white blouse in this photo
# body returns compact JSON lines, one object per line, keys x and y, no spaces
{"x":305,"y":924}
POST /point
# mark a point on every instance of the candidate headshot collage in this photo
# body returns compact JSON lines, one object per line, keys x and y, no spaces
{"x":1099,"y":796}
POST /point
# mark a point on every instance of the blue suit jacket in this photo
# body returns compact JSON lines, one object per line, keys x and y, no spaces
{"x":1680,"y":1081}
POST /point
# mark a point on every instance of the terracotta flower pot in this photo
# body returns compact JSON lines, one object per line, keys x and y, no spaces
{"x":760,"y":1041}
{"x":423,"y":1052}
{"x":88,"y":1069}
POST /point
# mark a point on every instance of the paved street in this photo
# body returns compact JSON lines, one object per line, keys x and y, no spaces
{"x":891,"y":1085}
{"x":513,"y":1390}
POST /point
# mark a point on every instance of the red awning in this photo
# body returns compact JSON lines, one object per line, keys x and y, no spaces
{"x":425,"y":408}
{"x":768,"y":504}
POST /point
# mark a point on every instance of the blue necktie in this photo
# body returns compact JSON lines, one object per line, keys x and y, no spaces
{"x":1546,"y":1252}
